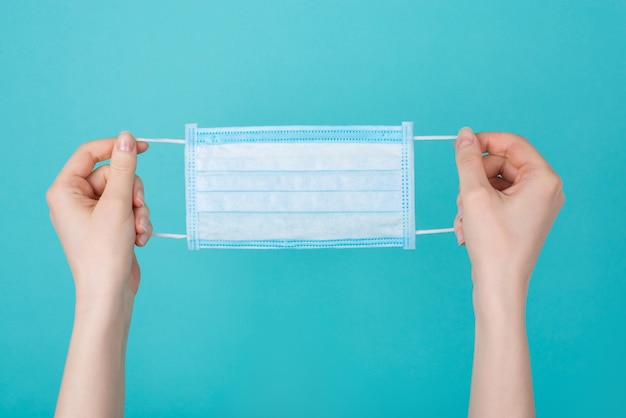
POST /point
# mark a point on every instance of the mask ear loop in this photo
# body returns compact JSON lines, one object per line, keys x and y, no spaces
{"x":165,"y":141}
{"x":415,"y":138}
{"x":434,"y":138}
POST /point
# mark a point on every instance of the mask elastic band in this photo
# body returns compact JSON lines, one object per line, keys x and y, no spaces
{"x":434,"y":231}
{"x":182,"y":141}
{"x":434,"y":137}
{"x":418,"y":232}
{"x":415,"y":138}
{"x":173,"y":236}
{"x":163,"y":140}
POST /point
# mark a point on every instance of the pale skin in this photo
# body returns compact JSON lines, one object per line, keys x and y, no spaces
{"x":507,"y":203}
{"x":99,"y":215}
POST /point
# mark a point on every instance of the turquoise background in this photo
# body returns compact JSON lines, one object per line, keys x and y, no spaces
{"x":326,"y":333}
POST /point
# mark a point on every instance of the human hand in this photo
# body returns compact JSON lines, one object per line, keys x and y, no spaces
{"x":507,"y":203}
{"x":99,"y":215}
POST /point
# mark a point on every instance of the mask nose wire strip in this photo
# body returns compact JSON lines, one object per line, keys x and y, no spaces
{"x":416,"y":138}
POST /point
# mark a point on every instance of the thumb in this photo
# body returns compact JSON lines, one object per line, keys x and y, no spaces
{"x":122,"y":169}
{"x":469,"y":162}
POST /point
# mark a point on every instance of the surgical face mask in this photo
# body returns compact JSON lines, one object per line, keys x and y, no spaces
{"x":300,"y":187}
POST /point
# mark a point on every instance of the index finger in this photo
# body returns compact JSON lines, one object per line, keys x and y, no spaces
{"x":516,"y":149}
{"x":85,"y":158}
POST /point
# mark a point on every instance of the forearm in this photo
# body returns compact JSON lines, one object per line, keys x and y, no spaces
{"x":509,"y":196}
{"x":501,"y":376}
{"x":93,"y":380}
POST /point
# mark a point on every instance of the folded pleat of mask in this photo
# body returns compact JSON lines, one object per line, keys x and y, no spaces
{"x":300,"y":186}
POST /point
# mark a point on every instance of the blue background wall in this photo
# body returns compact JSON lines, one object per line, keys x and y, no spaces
{"x":382,"y":332}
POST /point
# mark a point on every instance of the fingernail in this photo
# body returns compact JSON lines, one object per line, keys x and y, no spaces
{"x":143,"y":238}
{"x":465,"y":137}
{"x":144,"y":224}
{"x":140,"y":197}
{"x":459,"y":237}
{"x":125,"y":142}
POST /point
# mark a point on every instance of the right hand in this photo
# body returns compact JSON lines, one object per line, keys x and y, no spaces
{"x":507,"y":204}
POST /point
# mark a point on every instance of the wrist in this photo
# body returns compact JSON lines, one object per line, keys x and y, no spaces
{"x":499,"y":298}
{"x":104,"y":308}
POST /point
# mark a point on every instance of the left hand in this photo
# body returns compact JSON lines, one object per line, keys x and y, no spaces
{"x":100,"y":215}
